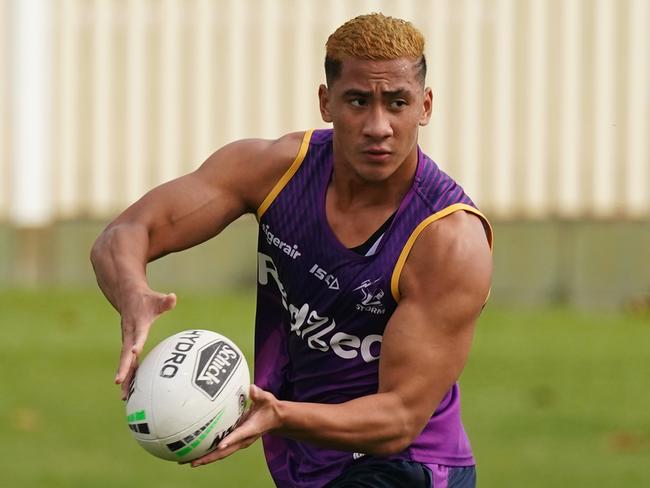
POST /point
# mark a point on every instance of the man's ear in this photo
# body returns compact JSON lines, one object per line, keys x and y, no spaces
{"x":324,"y":103}
{"x":427,"y":107}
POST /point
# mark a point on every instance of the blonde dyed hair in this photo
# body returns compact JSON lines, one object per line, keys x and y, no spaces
{"x":374,"y":37}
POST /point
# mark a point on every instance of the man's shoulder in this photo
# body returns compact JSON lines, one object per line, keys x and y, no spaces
{"x":276,"y":152}
{"x":460,"y":224}
{"x":451,"y":254}
{"x":437,"y":188}
{"x":288,"y":145}
{"x":250,"y":168}
{"x":281,"y":154}
{"x":457,"y":235}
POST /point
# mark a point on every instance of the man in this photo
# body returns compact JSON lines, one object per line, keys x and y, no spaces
{"x":364,"y":246}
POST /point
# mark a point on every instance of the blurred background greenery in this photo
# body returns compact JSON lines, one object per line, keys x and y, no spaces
{"x":551,"y":397}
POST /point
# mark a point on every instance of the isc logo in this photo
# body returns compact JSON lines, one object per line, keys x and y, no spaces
{"x":331,"y":282}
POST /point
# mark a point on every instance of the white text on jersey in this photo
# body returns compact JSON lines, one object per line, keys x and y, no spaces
{"x":273,"y":240}
{"x":330,"y":280}
{"x":313,"y":328}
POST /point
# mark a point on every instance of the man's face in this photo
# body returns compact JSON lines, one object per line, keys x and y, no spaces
{"x":376,"y":108}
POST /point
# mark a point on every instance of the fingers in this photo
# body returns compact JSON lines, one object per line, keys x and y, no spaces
{"x":160,"y":304}
{"x":126,"y":384}
{"x":259,"y":419}
{"x":211,"y":457}
{"x":167,"y":303}
{"x":137,"y":317}
{"x":126,"y":370}
{"x":133,"y":339}
{"x":255,"y":393}
{"x":141,"y":334}
{"x":126,"y":358}
{"x":224,"y":450}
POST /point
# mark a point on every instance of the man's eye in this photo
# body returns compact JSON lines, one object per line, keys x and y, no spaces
{"x":398,"y":104}
{"x":358,"y":102}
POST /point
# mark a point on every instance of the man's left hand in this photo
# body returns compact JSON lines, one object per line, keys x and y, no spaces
{"x":261,"y":418}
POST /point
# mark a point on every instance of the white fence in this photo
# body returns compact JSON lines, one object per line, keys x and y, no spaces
{"x":542,"y":107}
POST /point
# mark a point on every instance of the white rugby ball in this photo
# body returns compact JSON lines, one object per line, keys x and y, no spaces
{"x":188,"y":394}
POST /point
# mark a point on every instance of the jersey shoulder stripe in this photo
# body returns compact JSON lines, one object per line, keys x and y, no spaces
{"x":286,"y":177}
{"x":406,"y":250}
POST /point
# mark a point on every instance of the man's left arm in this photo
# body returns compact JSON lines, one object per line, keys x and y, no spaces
{"x":443,"y":287}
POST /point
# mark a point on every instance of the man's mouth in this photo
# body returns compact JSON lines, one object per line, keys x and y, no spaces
{"x":377,"y":153}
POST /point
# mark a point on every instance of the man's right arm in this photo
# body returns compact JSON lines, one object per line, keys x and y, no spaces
{"x":175,"y":216}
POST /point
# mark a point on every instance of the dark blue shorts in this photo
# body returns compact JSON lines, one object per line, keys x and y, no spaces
{"x":383,"y":473}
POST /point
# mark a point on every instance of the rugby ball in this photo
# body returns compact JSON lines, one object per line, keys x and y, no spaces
{"x":189,"y":393}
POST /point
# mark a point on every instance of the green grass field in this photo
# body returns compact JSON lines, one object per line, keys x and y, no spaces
{"x":550,"y":398}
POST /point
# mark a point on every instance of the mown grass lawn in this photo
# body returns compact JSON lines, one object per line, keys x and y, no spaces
{"x":550,"y":397}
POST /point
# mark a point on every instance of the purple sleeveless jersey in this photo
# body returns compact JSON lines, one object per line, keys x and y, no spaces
{"x":322,"y":310}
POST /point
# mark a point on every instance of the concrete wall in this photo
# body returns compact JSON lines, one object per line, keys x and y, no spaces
{"x":596,"y":264}
{"x":581,"y":263}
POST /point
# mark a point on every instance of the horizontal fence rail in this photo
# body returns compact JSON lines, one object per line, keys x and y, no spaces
{"x":541,"y":107}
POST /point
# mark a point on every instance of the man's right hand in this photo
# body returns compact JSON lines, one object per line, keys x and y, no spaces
{"x":138,"y":312}
{"x":175,"y":216}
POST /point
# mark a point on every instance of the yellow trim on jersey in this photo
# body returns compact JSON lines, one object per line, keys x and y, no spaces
{"x":394,"y":282}
{"x":282,"y":182}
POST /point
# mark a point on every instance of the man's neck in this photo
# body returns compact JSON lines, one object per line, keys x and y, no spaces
{"x":349,"y":192}
{"x":356,"y":208}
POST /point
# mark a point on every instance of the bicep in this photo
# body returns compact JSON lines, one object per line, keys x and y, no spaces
{"x":193,"y":208}
{"x":443,"y":288}
{"x":182,"y":213}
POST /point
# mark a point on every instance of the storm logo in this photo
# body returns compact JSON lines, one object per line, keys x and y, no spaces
{"x":371,"y":297}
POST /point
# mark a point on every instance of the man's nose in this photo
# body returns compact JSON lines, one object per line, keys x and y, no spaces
{"x":377,"y":124}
